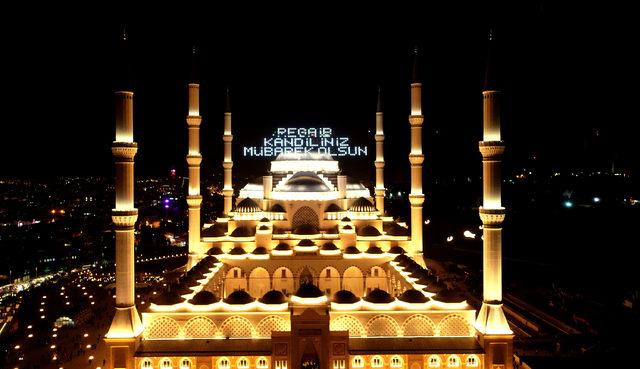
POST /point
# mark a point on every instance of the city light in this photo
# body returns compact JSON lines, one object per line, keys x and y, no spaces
{"x":568,"y":204}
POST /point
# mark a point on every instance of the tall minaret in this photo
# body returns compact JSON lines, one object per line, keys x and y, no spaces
{"x":496,"y":336}
{"x":126,"y":324}
{"x":227,"y":190}
{"x":416,"y":158}
{"x":194,"y":158}
{"x":379,"y":189}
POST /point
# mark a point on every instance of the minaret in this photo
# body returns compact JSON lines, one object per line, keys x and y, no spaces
{"x":496,"y":336}
{"x":194,"y":158}
{"x":379,"y":163}
{"x":416,"y":158}
{"x":227,"y":190}
{"x":126,"y":325}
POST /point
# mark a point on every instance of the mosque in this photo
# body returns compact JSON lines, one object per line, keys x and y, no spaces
{"x":306,"y":270}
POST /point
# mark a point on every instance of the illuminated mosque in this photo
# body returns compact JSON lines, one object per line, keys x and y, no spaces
{"x":305,"y":270}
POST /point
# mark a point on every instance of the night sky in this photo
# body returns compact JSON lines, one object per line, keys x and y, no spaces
{"x":566,"y":71}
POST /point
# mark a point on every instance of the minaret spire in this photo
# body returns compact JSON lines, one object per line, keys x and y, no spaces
{"x":416,"y":158}
{"x":194,"y":158}
{"x":495,"y":334}
{"x":379,"y":162}
{"x":126,"y":325}
{"x":227,"y":164}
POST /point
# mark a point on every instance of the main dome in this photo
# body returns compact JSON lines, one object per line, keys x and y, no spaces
{"x":305,"y":182}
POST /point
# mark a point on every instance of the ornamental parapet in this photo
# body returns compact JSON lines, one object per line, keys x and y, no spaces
{"x":124,"y":151}
{"x":491,"y":149}
{"x":416,"y":120}
{"x":492,"y":218}
{"x":124,"y":219}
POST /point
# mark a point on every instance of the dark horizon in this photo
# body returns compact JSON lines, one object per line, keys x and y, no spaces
{"x":562,"y":72}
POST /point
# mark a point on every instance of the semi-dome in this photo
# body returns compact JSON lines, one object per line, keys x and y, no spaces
{"x":215,"y":230}
{"x":282,"y":247}
{"x":346,"y":219}
{"x":306,"y":229}
{"x":306,"y":242}
{"x":362,"y":205}
{"x":215,"y":251}
{"x":277,"y":208}
{"x":401,"y":258}
{"x":435,"y":287}
{"x":204,"y":298}
{"x":305,"y":182}
{"x":378,"y":296}
{"x":373,"y":249}
{"x":332,"y":208}
{"x":413,"y":296}
{"x":309,"y":290}
{"x":329,"y":246}
{"x":396,"y":250}
{"x":260,"y":251}
{"x":168,"y":298}
{"x":351,"y":250}
{"x":347,"y":227}
{"x":243,"y":232}
{"x":190,"y":280}
{"x":449,"y":296}
{"x":395,"y":229}
{"x":180,"y":289}
{"x":273,"y":297}
{"x":239,"y":297}
{"x":237,"y":251}
{"x":345,"y":297}
{"x":263,"y":228}
{"x":368,"y":231}
{"x":247,"y":206}
{"x":265,"y":220}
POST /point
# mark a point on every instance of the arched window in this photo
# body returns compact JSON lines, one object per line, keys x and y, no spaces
{"x":453,"y":361}
{"x":434,"y":361}
{"x":224,"y":363}
{"x":357,"y":362}
{"x":396,"y":362}
{"x":262,"y":363}
{"x":165,"y":364}
{"x":243,"y":363}
{"x":377,"y":362}
{"x":146,"y":364}
{"x":472,"y":361}
{"x":185,"y":363}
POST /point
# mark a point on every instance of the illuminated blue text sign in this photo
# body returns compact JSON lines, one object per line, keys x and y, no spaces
{"x":305,"y":140}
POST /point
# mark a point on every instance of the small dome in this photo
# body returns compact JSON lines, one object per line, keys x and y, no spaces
{"x":277,"y":208}
{"x":412,"y":267}
{"x":196,"y":272}
{"x":396,"y":250}
{"x":263,"y":228}
{"x":308,"y":290}
{"x":435,"y":287}
{"x":347,"y":227}
{"x":190,"y":280}
{"x":239,"y":297}
{"x":401,"y":258}
{"x":449,"y":296}
{"x":368,"y":231}
{"x":168,"y":298}
{"x":362,"y":205}
{"x":204,"y":298}
{"x":180,"y":289}
{"x":378,"y":296}
{"x":306,"y":243}
{"x":237,"y":251}
{"x":215,"y":251}
{"x":216,"y":230}
{"x":243,"y":232}
{"x":305,"y":182}
{"x":346,"y":219}
{"x":352,"y":250}
{"x":345,"y":297}
{"x":273,"y":297}
{"x":282,"y":247}
{"x":374,"y":250}
{"x":333,"y":208}
{"x":247,"y":206}
{"x":260,"y":251}
{"x":329,"y":246}
{"x":265,"y":220}
{"x":306,"y":229}
{"x":413,"y":296}
{"x":394,"y":229}
{"x":427,"y":280}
